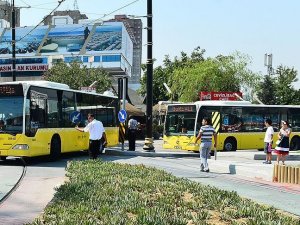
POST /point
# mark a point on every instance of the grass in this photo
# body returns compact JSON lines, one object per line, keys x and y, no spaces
{"x":109,"y":193}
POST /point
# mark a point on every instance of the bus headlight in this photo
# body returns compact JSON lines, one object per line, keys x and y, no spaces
{"x":193,"y":144}
{"x":21,"y":147}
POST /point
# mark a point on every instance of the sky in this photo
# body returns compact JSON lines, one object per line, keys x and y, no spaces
{"x":252,"y":27}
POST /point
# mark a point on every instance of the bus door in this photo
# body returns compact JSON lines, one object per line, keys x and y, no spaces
{"x":38,"y":111}
{"x":230,"y":138}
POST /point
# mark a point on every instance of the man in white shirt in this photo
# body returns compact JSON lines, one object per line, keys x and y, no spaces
{"x":268,"y":141}
{"x":96,"y":130}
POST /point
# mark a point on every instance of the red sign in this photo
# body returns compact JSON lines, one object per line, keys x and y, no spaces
{"x":25,"y":67}
{"x":220,"y":96}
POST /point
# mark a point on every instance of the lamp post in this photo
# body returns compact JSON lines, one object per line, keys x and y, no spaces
{"x":13,"y":40}
{"x":149,"y":141}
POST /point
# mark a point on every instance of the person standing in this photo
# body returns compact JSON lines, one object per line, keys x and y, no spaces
{"x":283,"y":147}
{"x":96,"y":130}
{"x":205,"y":134}
{"x":132,"y":127}
{"x":1,"y":126}
{"x":268,"y":141}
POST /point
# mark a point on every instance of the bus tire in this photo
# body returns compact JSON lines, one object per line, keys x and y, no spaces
{"x":230,"y":144}
{"x":295,"y":143}
{"x":55,"y":149}
{"x":3,"y":158}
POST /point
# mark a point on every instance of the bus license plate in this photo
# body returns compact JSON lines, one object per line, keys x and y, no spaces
{"x":177,"y":147}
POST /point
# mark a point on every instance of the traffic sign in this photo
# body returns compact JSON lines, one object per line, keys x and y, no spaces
{"x":122,"y":115}
{"x":75,"y":117}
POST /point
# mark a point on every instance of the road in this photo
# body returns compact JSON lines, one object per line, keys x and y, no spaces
{"x":37,"y":187}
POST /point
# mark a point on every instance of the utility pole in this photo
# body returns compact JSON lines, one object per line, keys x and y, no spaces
{"x":13,"y":40}
{"x":149,"y":141}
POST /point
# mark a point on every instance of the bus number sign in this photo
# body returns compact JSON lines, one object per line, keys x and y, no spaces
{"x":182,"y":108}
{"x":11,"y":90}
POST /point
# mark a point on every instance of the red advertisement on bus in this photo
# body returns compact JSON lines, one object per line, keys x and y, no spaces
{"x":221,"y":95}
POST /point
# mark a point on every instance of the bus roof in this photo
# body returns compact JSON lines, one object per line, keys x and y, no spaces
{"x":223,"y":103}
{"x":41,"y":83}
{"x":53,"y":85}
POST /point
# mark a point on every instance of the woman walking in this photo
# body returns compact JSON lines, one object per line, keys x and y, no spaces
{"x":283,"y":147}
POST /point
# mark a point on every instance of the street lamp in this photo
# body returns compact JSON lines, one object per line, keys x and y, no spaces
{"x":149,"y":141}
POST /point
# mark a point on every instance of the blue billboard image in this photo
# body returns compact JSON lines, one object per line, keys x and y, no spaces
{"x":28,"y":40}
{"x":65,"y":39}
{"x":105,"y":38}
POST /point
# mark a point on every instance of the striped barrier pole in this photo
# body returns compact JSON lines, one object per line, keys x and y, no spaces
{"x":122,"y":134}
{"x":216,"y":123}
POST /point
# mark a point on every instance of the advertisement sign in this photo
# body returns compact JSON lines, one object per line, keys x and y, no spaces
{"x":25,"y":67}
{"x":220,"y":96}
{"x":28,"y":40}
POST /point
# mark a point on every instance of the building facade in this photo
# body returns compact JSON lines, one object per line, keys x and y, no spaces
{"x":134,"y":28}
{"x":107,"y":45}
{"x":5,"y":12}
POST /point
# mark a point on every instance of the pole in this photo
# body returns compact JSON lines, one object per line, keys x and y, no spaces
{"x":148,"y":141}
{"x":13,"y":41}
{"x":124,"y":102}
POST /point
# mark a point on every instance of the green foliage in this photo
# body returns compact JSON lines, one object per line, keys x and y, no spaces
{"x":77,"y":75}
{"x":187,"y":75}
{"x":163,"y":74}
{"x":109,"y":193}
{"x":267,"y":89}
{"x":279,"y":89}
{"x":223,"y":73}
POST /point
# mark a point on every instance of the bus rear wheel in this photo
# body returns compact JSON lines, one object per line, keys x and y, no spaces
{"x":55,"y":149}
{"x":230,"y":145}
{"x":295,"y":143}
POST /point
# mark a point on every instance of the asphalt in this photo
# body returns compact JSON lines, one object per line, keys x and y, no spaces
{"x":38,"y":187}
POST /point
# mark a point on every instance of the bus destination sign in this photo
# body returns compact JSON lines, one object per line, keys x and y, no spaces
{"x":11,"y":90}
{"x":182,"y":108}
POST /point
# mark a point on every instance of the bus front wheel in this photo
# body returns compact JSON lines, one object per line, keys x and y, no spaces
{"x":55,"y":150}
{"x":230,"y":144}
{"x":295,"y":143}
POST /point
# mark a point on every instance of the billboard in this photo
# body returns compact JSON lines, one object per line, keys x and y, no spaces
{"x":65,"y":39}
{"x":28,"y":40}
{"x":221,"y":95}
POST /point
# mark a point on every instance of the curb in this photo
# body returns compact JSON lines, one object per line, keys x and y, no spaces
{"x":274,"y":157}
{"x":116,"y":152}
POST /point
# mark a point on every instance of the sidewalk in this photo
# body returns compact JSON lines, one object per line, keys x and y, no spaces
{"x":244,"y":163}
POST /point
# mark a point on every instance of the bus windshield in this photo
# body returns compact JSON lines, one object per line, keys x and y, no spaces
{"x":180,"y":123}
{"x":11,"y":114}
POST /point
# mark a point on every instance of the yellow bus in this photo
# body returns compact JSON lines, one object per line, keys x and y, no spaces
{"x":37,"y":118}
{"x":240,"y":124}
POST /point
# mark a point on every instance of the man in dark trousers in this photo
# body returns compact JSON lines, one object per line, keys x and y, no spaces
{"x":96,"y":130}
{"x":132,"y":127}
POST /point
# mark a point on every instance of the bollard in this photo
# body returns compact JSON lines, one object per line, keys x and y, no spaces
{"x":285,"y":175}
{"x":293,"y":175}
{"x":282,"y":174}
{"x":275,"y":173}
{"x":289,"y":169}
{"x":296,"y":175}
{"x":279,"y":173}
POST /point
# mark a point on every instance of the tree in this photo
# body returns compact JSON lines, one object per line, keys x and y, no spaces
{"x":279,"y":90}
{"x":77,"y":75}
{"x":162,"y":74}
{"x":267,"y":89}
{"x":223,"y":73}
{"x":284,"y":90}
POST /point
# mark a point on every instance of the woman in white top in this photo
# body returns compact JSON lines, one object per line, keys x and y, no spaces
{"x":283,"y":147}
